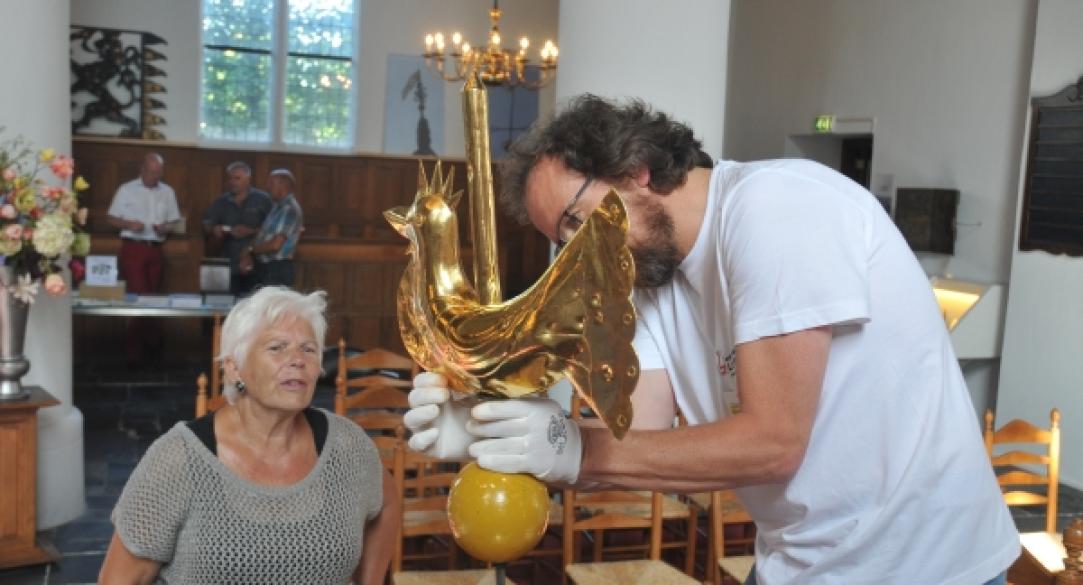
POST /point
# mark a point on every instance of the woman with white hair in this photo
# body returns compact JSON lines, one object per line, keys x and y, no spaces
{"x":266,"y":489}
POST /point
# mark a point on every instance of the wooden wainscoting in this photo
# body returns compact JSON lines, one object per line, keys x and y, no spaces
{"x":348,"y":248}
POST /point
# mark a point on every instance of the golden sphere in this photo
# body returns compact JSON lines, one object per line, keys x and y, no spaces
{"x":497,"y":517}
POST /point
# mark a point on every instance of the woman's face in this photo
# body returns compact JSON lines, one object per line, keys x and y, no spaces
{"x":282,"y":365}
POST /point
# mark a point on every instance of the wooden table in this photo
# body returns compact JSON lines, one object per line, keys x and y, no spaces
{"x":18,"y":480}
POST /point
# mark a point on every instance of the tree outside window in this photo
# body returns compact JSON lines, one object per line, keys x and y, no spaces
{"x":301,"y":50}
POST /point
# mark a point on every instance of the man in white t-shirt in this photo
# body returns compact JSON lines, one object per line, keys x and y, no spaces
{"x":781,"y":312}
{"x":145,"y":211}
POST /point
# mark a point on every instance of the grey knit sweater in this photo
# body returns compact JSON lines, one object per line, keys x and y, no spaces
{"x":184,"y":508}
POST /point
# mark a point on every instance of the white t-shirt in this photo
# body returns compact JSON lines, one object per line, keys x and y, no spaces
{"x":150,"y":205}
{"x":895,"y":486}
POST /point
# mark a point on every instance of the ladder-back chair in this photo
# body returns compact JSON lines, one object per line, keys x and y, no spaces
{"x":1039,"y":470}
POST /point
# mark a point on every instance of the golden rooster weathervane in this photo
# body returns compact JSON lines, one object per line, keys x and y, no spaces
{"x":576,"y":321}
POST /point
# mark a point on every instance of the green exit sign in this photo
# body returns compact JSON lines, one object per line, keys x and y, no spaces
{"x":824,"y":123}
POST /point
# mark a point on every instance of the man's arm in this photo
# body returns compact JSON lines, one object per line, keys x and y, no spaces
{"x":124,"y":224}
{"x":779,"y":381}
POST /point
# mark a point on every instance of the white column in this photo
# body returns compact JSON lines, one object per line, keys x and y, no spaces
{"x":35,"y":104}
{"x":670,"y":54}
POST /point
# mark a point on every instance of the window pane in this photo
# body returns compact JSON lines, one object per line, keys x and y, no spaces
{"x":239,"y":23}
{"x":321,"y":27}
{"x":318,"y":101}
{"x":236,"y":95}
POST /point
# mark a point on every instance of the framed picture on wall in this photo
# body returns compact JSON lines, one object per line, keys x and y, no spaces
{"x":413,"y":108}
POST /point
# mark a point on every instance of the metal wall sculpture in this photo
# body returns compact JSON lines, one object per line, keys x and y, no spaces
{"x":114,"y":82}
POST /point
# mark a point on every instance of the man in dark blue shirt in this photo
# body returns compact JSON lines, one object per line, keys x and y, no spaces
{"x":233,"y":220}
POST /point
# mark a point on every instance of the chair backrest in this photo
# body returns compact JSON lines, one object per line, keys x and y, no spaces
{"x":377,"y":362}
{"x":1007,"y":464}
{"x":207,"y":402}
{"x":378,"y":400}
{"x":608,"y":511}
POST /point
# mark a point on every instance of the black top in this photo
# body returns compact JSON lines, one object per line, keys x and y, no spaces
{"x":203,"y":427}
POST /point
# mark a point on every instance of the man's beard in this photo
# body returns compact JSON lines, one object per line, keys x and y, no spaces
{"x":657,"y":257}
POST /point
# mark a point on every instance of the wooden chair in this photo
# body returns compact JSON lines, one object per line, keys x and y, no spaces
{"x":207,"y":402}
{"x":613,"y":510}
{"x":423,"y":484}
{"x":375,"y":365}
{"x":377,"y":401}
{"x":1010,"y":476}
{"x":723,"y":511}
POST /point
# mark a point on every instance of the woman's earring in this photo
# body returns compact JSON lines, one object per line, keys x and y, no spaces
{"x":240,"y":387}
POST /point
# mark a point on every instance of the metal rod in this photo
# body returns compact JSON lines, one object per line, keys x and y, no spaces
{"x":501,"y":572}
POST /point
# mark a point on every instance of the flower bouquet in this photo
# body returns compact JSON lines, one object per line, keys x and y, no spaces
{"x":39,"y":221}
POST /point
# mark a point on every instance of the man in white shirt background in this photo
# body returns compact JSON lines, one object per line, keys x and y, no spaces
{"x":145,"y":211}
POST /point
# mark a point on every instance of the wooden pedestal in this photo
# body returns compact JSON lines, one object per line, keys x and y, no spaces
{"x":18,"y":480}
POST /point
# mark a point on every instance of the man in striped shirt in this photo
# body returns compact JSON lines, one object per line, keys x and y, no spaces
{"x":270,"y":256}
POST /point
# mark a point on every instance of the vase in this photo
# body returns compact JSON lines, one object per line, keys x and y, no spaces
{"x":13,"y":316}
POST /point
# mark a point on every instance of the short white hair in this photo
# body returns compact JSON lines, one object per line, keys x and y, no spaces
{"x":267,"y":306}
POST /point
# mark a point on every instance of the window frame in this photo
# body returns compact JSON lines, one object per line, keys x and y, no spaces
{"x":280,"y":56}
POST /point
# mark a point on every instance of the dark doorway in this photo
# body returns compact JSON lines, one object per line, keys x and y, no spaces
{"x":856,"y":159}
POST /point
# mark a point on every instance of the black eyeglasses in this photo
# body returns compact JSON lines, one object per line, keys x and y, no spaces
{"x":568,"y":224}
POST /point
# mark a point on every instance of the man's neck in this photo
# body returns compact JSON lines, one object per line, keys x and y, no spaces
{"x":686,"y":205}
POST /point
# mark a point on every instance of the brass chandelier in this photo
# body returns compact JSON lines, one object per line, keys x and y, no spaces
{"x":493,"y":64}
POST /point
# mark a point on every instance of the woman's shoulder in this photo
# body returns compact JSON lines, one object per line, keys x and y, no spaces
{"x":175,"y":442}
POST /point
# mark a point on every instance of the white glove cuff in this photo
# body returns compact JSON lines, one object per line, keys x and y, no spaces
{"x":453,"y":440}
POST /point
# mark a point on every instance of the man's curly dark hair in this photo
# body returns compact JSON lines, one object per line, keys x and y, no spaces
{"x":605,"y":140}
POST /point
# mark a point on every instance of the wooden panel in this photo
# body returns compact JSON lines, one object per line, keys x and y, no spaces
{"x":18,"y":481}
{"x":10,"y":457}
{"x":348,"y":248}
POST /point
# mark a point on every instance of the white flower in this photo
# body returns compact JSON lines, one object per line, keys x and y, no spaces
{"x":24,"y":289}
{"x":53,"y":235}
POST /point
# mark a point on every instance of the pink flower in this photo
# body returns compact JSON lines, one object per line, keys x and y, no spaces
{"x":13,"y":231}
{"x":8,"y":211}
{"x":53,"y":193}
{"x":9,"y":174}
{"x":62,"y":166}
{"x":54,"y":284}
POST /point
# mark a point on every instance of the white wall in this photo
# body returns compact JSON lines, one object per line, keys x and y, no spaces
{"x":37,"y":56}
{"x":1043,"y":331}
{"x":387,"y":27}
{"x":673,"y":59}
{"x":945,"y":82}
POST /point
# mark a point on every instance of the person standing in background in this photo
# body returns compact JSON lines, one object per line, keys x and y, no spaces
{"x":270,"y":256}
{"x":233,"y":220}
{"x":145,"y":211}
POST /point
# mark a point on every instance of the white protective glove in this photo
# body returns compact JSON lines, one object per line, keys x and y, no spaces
{"x":526,"y":435}
{"x":438,"y":423}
